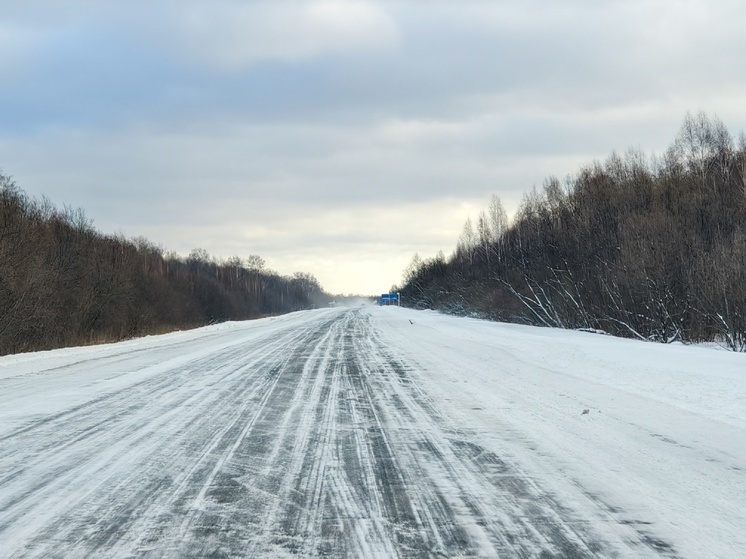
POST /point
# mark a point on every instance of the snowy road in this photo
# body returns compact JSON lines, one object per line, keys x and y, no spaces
{"x":354,"y":433}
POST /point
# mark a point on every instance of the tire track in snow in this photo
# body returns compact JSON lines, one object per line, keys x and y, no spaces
{"x":316,"y":442}
{"x":46,"y":484}
{"x":183,"y":516}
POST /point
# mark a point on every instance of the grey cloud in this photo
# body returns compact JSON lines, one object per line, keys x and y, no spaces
{"x":576,"y":55}
{"x":263,"y":149}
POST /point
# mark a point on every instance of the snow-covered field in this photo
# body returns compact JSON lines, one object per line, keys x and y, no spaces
{"x":373,"y":432}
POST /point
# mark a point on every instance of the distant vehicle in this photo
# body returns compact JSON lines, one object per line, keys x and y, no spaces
{"x":388,"y":299}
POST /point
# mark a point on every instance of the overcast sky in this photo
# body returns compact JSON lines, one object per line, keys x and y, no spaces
{"x":340,"y":137}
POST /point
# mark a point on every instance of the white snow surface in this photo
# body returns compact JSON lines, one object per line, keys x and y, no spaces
{"x":664,"y":441}
{"x":656,"y":466}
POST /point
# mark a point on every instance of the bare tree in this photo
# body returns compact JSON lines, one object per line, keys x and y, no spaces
{"x":467,"y":242}
{"x":255,"y":262}
{"x":499,"y":223}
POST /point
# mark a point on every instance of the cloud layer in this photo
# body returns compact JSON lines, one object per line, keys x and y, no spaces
{"x":339,"y":137}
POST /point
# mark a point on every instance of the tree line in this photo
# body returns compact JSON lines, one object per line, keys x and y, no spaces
{"x":64,"y":283}
{"x":650,"y":247}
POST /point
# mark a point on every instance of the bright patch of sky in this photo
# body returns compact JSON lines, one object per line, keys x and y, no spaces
{"x":340,"y":137}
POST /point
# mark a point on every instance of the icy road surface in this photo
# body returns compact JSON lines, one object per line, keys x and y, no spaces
{"x":373,"y":433}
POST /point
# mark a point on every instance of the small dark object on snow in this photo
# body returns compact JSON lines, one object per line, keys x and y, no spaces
{"x":411,"y":321}
{"x":585,"y":412}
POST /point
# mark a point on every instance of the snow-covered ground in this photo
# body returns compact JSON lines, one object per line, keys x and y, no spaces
{"x":373,"y":432}
{"x":662,"y":447}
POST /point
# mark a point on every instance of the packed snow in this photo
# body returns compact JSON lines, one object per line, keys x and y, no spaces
{"x":663,"y":446}
{"x":374,"y":432}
